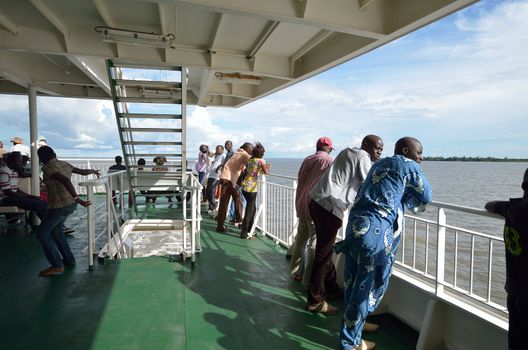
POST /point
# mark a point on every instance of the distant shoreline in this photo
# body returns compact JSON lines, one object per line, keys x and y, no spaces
{"x":474,"y":159}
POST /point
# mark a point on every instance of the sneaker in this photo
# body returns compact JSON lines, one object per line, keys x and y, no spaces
{"x":51,"y":271}
{"x":68,"y":230}
{"x":322,"y":307}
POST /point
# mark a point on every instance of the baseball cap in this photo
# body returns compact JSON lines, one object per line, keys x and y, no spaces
{"x":324,"y":141}
{"x":16,"y":139}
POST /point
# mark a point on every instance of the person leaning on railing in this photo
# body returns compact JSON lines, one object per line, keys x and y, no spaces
{"x":62,"y":201}
{"x":256,"y":166}
{"x":228,"y":179}
{"x":515,"y":211}
{"x":374,"y":230}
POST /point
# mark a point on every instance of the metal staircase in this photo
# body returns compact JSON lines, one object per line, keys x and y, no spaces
{"x":150,"y":105}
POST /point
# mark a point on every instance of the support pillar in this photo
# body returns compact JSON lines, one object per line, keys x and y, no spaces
{"x":33,"y":140}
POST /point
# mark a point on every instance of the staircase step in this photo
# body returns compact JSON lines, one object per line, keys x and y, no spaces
{"x":150,"y":116}
{"x":148,"y":83}
{"x":148,"y":100}
{"x":154,"y":143}
{"x":125,"y":64}
{"x":152,"y":129}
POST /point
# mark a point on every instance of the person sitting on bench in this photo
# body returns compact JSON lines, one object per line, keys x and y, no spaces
{"x":10,"y":194}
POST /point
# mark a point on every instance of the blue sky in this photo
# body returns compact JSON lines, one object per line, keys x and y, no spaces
{"x":460,"y":85}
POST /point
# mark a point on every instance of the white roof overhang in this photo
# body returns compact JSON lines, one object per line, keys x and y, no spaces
{"x":236,"y":50}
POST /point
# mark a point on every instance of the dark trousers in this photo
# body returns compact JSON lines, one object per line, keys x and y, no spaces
{"x":518,"y":319}
{"x":249,"y":215}
{"x":323,"y":273}
{"x":228,"y":190}
{"x":28,"y":203}
{"x":211,"y":188}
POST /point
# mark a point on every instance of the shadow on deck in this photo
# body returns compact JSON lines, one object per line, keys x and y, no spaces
{"x":239,"y":296}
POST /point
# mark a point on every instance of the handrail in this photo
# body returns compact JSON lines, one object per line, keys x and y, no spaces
{"x":469,"y":210}
{"x":111,"y":217}
{"x":101,"y":179}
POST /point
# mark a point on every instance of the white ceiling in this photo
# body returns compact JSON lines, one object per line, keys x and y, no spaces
{"x":52,"y":44}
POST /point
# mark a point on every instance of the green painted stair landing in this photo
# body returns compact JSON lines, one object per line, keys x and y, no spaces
{"x":239,"y":296}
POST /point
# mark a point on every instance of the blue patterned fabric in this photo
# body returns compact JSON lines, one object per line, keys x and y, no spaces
{"x":372,"y":236}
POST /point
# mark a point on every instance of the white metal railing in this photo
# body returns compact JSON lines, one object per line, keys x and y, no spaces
{"x":458,"y":260}
{"x":113,"y":225}
{"x":462,"y":261}
{"x":276,"y":216}
{"x":101,"y":164}
{"x":192,"y":186}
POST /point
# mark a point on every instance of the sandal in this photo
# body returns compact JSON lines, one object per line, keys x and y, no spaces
{"x":323,"y":307}
{"x":370,"y":327}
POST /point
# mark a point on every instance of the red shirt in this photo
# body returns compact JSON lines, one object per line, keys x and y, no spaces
{"x":311,"y":170}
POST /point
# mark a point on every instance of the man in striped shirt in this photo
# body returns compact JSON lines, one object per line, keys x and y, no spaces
{"x":311,"y":170}
{"x":10,"y":194}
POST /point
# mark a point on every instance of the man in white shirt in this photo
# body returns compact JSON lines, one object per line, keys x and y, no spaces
{"x":18,"y":146}
{"x":333,"y":194}
{"x":213,"y":177}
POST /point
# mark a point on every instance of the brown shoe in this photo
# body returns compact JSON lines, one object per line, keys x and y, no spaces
{"x":322,"y":307}
{"x":51,"y":271}
{"x":370,"y":327}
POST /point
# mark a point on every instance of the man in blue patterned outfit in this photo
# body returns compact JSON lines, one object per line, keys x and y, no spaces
{"x":373,"y":232}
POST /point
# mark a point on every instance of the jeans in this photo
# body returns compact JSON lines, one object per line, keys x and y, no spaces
{"x":249,"y":216}
{"x":211,"y":188}
{"x":53,"y":240}
{"x":28,"y":203}
{"x":232,"y":209}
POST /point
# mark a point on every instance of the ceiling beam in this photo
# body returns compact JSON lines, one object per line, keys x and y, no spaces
{"x":103,"y":12}
{"x":8,"y":24}
{"x":53,"y":19}
{"x":205,"y":82}
{"x":46,"y":79}
{"x":316,"y":40}
{"x":213,"y":41}
{"x":93,"y":68}
{"x":362,"y":4}
{"x":339,"y":15}
{"x":102,"y":9}
{"x":264,"y":35}
{"x":168,"y":23}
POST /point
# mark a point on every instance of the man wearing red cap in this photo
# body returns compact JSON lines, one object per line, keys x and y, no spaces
{"x":333,"y":194}
{"x":311,"y":170}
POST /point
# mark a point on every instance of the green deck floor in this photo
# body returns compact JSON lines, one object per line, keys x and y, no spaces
{"x":239,"y":296}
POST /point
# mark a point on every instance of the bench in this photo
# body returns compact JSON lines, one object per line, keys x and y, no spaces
{"x":24,"y":184}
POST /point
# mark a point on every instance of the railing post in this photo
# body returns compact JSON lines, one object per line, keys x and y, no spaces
{"x":91,"y":228}
{"x":440,"y":251}
{"x":294,"y":214}
{"x":264,"y":204}
{"x":121,"y":193}
{"x":109,"y":225}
